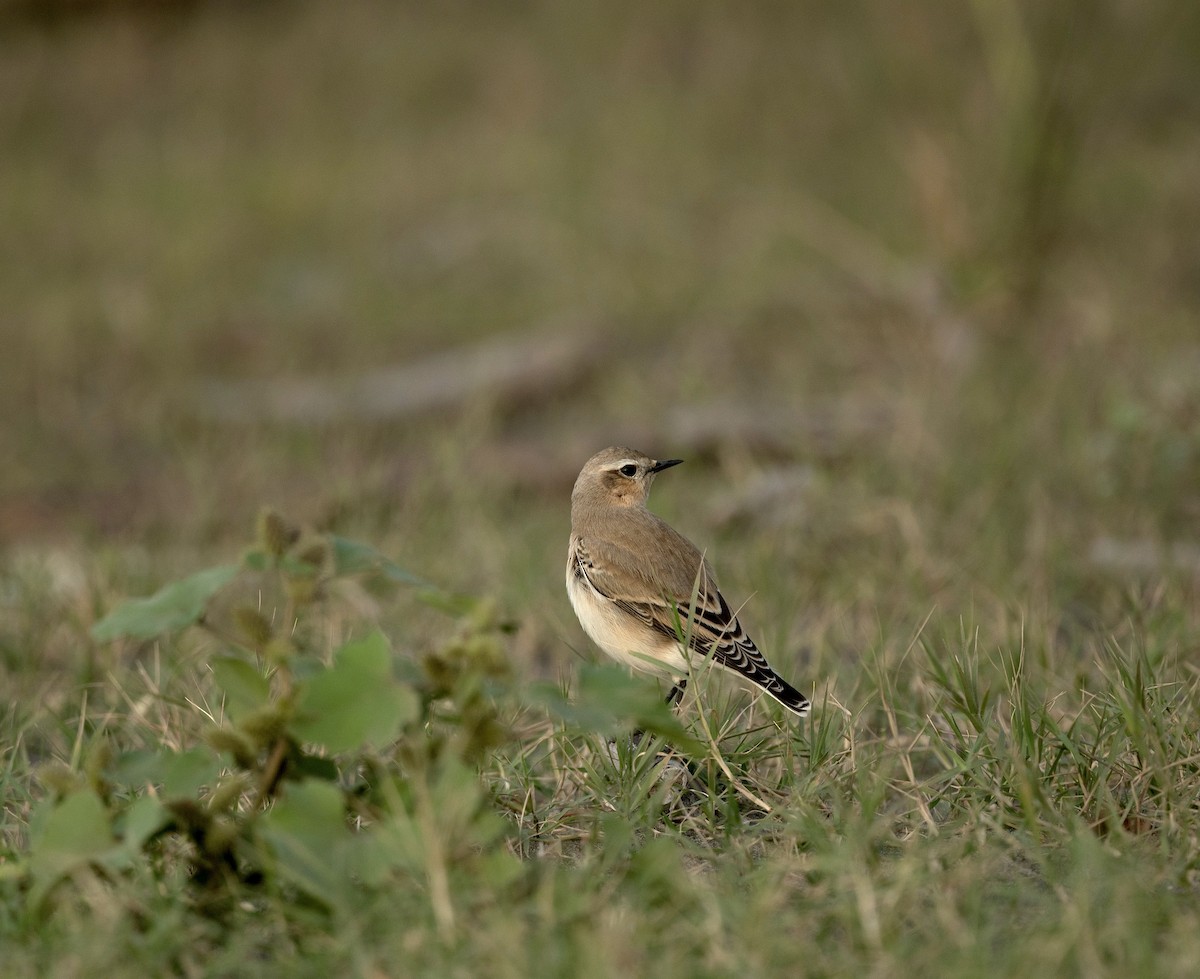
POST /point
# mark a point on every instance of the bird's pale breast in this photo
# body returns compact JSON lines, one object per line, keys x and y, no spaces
{"x":622,"y":636}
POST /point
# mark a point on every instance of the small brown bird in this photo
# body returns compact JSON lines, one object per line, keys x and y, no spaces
{"x":631,"y":579}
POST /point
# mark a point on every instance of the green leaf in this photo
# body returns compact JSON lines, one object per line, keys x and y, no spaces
{"x":312,"y":813}
{"x":173,"y":607}
{"x":245,"y":688}
{"x":75,"y":832}
{"x":391,"y":844}
{"x":315,"y":767}
{"x":178,"y":773}
{"x":142,"y":820}
{"x":307,"y":834}
{"x":297,"y":568}
{"x":457,"y":795}
{"x":353,"y":557}
{"x":357,"y":701}
{"x":185,"y":773}
{"x":137,"y":769}
{"x":257,"y":560}
{"x":609,"y":701}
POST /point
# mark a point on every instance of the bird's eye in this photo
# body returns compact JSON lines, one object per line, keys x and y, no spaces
{"x":629,"y":469}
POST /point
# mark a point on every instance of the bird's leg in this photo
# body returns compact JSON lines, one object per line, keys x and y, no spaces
{"x":676,"y":694}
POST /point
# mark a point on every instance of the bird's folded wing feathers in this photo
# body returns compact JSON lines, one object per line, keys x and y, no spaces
{"x":710,"y":626}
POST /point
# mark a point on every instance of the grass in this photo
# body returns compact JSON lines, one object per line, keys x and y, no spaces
{"x":914,"y":299}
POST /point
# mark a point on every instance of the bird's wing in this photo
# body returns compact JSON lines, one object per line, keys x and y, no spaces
{"x":660,"y":593}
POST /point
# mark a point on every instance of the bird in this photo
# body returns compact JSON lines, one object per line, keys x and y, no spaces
{"x":640,"y":589}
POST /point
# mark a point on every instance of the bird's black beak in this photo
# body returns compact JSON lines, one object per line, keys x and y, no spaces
{"x":665,"y":464}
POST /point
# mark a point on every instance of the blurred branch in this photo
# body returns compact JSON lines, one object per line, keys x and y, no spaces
{"x":1144,"y":556}
{"x":775,"y":428}
{"x":508,"y":369}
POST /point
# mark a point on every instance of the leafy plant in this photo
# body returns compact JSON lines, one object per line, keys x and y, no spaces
{"x":323,"y":775}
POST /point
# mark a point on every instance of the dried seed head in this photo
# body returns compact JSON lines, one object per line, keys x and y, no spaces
{"x":253,"y":625}
{"x":302,"y":589}
{"x":279,"y":650}
{"x":188,"y":815}
{"x":220,"y":837}
{"x":58,"y":777}
{"x":276,"y":534}
{"x":228,"y":791}
{"x":265,"y":725}
{"x":313,"y":551}
{"x":233,"y":742}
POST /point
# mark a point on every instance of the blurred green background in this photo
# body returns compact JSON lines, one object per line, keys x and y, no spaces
{"x":914,"y":291}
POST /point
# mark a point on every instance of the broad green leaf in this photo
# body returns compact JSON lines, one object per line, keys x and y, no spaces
{"x":179,"y":773}
{"x":137,"y":769}
{"x":256,"y":560}
{"x":173,"y":607}
{"x":307,"y":834}
{"x":585,"y":716}
{"x":396,"y":840}
{"x":306,"y":665}
{"x":185,"y":773}
{"x":142,"y":820}
{"x":245,"y":688}
{"x":609,"y":701}
{"x":456,"y":796}
{"x":394,"y":843}
{"x":294,"y":567}
{"x":75,"y":832}
{"x":357,"y":701}
{"x":313,"y":813}
{"x":313,"y":766}
{"x":353,"y":557}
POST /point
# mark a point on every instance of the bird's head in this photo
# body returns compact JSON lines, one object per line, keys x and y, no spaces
{"x":618,"y":476}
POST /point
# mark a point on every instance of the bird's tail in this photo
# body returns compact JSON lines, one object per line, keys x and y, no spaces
{"x":786,"y":694}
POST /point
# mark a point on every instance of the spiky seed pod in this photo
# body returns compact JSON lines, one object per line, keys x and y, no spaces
{"x":480,"y":734}
{"x":265,"y":725}
{"x":279,"y":651}
{"x":415,"y":754}
{"x":220,"y":836}
{"x":235,"y":743}
{"x":98,"y":759}
{"x":302,"y":589}
{"x":313,"y":551}
{"x":484,"y":654}
{"x":253,"y":625}
{"x":58,"y":777}
{"x":484,"y":615}
{"x":276,"y":534}
{"x":228,"y":791}
{"x":441,"y":672}
{"x":189,"y":816}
